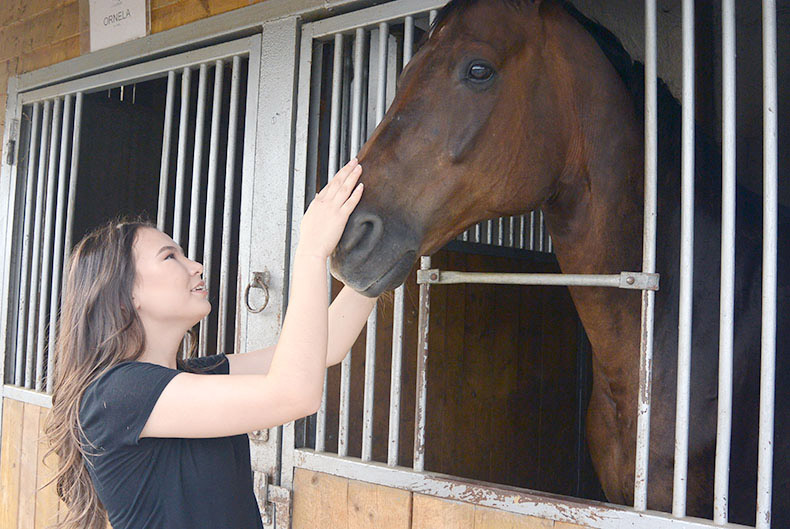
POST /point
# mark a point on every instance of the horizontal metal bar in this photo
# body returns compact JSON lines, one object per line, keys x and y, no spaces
{"x":27,"y":395}
{"x":592,"y":514}
{"x":626,"y":280}
{"x":372,"y":16}
{"x":142,"y":72}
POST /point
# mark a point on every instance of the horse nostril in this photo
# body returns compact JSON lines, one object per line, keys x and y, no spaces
{"x":363,"y":233}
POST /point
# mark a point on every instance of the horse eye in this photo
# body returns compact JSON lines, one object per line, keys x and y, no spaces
{"x":480,"y":72}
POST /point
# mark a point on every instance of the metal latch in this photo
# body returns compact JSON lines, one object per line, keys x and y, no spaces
{"x":274,"y":502}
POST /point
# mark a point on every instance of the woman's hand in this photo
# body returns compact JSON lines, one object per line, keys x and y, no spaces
{"x":326,"y":217}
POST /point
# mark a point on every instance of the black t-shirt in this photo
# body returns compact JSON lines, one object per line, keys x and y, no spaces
{"x":163,"y":483}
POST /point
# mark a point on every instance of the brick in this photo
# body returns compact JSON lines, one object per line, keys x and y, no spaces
{"x":58,"y":52}
{"x":30,"y":8}
{"x":8,"y":68}
{"x":178,"y":14}
{"x":10,"y":12}
{"x":11,"y":41}
{"x":52,"y":26}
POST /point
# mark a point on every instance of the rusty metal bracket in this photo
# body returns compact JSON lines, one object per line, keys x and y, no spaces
{"x":274,"y":503}
{"x":259,"y":280}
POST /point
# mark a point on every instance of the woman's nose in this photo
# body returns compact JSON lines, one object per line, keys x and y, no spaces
{"x":197,"y":268}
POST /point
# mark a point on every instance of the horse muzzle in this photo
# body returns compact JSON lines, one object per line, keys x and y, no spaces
{"x":374,"y":254}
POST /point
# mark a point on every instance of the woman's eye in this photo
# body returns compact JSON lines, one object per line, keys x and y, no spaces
{"x":170,"y":256}
{"x":480,"y":72}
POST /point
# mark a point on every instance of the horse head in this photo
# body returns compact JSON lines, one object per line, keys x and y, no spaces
{"x":479,"y":128}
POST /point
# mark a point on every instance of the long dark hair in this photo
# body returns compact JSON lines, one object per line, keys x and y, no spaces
{"x":98,"y":329}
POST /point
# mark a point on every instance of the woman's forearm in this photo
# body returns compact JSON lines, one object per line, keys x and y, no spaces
{"x":347,"y":316}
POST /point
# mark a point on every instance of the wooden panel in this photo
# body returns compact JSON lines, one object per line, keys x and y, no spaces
{"x":375,"y":506}
{"x":47,"y":498}
{"x":430,"y":513}
{"x":567,"y":525}
{"x":10,"y":456}
{"x":488,"y":518}
{"x":320,"y":500}
{"x":28,"y":466}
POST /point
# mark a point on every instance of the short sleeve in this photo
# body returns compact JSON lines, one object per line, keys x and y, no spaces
{"x":116,"y":407}
{"x":209,"y":365}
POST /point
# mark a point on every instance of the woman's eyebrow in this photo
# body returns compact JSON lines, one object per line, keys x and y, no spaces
{"x":169,"y":247}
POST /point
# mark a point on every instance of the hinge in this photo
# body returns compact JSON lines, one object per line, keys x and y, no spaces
{"x":13,"y":135}
{"x":274,"y":503}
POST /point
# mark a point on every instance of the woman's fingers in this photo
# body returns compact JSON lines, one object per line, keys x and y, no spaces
{"x":352,"y":201}
{"x":337,"y":181}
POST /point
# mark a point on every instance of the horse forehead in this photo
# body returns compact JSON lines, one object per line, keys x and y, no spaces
{"x":496,"y":23}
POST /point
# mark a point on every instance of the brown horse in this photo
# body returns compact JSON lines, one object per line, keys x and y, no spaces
{"x":512,"y":105}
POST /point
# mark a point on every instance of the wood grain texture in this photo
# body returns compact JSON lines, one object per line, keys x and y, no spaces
{"x":10,"y":456}
{"x":320,"y":500}
{"x":489,"y":518}
{"x":431,"y":513}
{"x":47,"y":500}
{"x":28,"y":466}
{"x":376,"y":506}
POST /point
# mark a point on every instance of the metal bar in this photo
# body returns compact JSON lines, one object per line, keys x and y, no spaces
{"x":164,"y":167}
{"x":334,"y":119}
{"x":542,"y":231}
{"x":197,"y":163}
{"x":625,"y":280}
{"x":60,"y":222}
{"x":408,"y":39}
{"x":686,"y":267}
{"x":592,"y":514}
{"x":521,"y":228}
{"x":422,"y":376}
{"x":432,"y":15}
{"x":393,"y":442}
{"x":727,"y":302}
{"x":381,"y":92}
{"x":36,"y":250}
{"x":770,"y":235}
{"x":648,"y":261}
{"x":372,"y":16}
{"x":72,"y":199}
{"x":23,"y":288}
{"x":47,"y":236}
{"x":211,"y":192}
{"x":182,"y":154}
{"x":227,"y":211}
{"x":532,"y":230}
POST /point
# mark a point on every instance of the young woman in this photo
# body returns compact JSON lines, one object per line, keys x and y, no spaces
{"x":155,"y":442}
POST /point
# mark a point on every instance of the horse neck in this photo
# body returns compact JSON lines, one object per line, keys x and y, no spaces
{"x":595,"y":218}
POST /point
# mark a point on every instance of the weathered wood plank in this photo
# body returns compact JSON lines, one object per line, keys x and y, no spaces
{"x":488,"y":518}
{"x":28,"y":466}
{"x":429,"y":513}
{"x":377,"y":506}
{"x":567,"y":525}
{"x":11,"y":452}
{"x":47,"y":497}
{"x":320,"y":500}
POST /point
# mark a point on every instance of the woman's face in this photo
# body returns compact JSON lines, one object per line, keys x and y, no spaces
{"x":168,"y":288}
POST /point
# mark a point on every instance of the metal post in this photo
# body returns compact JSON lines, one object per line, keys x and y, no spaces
{"x":178,"y":209}
{"x":197,"y":163}
{"x":408,"y":39}
{"x":770,"y":235}
{"x":60,"y":221}
{"x":72,"y":199}
{"x":686,"y":267}
{"x":47,"y":237}
{"x":37,"y":236}
{"x":648,"y":260}
{"x":422,"y":376}
{"x":727,"y":303}
{"x":23,"y":287}
{"x":211,"y":192}
{"x":164,"y":171}
{"x":227,"y":212}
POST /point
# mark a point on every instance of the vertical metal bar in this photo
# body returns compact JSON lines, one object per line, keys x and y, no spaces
{"x":47,"y":236}
{"x":422,"y":379}
{"x":408,"y":39}
{"x":395,"y":377}
{"x":500,"y":239}
{"x":197,"y":163}
{"x":211,"y":192}
{"x":381,"y":92}
{"x":686,"y":267}
{"x":770,"y":235}
{"x":36,"y":250}
{"x":72,"y":198}
{"x":182,"y":154}
{"x":345,"y":373}
{"x":164,"y":166}
{"x":23,"y":288}
{"x":541,"y":231}
{"x":648,"y":260}
{"x":60,"y":221}
{"x":227,"y":205}
{"x":489,"y":231}
{"x":532,"y":230}
{"x":432,"y":15}
{"x":727,"y":303}
{"x":477,"y":232}
{"x":521,"y":228}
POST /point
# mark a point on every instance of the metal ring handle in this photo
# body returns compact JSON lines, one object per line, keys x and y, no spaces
{"x":259,"y":280}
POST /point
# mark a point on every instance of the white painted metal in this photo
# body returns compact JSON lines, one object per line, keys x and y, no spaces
{"x":32,"y":153}
{"x":686,"y":267}
{"x":48,"y":237}
{"x":35,"y":262}
{"x":211,"y":192}
{"x":60,"y":224}
{"x":727,"y":299}
{"x":197,"y":163}
{"x":421,"y":398}
{"x":27,"y":395}
{"x":227,"y":216}
{"x":164,"y":171}
{"x":372,"y":16}
{"x":648,"y":260}
{"x":765,"y":454}
{"x":183,"y":123}
{"x":72,"y":198}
